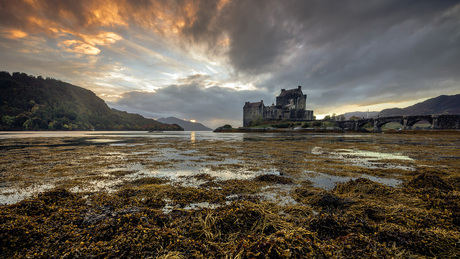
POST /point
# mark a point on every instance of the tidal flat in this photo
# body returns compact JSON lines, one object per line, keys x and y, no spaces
{"x":230,"y":195}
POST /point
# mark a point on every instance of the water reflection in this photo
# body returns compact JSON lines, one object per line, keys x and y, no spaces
{"x":192,"y":137}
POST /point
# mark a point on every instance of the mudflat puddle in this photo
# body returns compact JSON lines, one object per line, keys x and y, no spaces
{"x":365,"y":158}
{"x":11,"y":195}
{"x":328,"y":182}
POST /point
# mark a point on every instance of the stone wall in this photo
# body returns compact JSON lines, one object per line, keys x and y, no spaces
{"x":290,"y":105}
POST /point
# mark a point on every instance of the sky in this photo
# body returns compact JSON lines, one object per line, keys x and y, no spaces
{"x":202,"y":59}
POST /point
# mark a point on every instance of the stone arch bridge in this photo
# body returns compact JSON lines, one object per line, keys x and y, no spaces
{"x":437,"y":122}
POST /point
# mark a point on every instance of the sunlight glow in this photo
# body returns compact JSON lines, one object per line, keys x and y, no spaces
{"x":321,"y":112}
{"x":103,"y":38}
{"x":239,"y":86}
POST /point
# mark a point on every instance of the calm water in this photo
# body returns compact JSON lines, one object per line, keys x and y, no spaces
{"x":102,"y":134}
{"x":186,"y":135}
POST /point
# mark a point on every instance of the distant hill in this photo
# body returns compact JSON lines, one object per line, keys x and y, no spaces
{"x":187,"y":125}
{"x":35,"y":103}
{"x":371,"y":114}
{"x":443,"y":104}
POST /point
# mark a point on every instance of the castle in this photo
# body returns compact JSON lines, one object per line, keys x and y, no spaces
{"x":290,"y":105}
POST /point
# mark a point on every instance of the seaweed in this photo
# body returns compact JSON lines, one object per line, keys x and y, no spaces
{"x":429,"y":181}
{"x":144,"y":214}
{"x":271,"y":178}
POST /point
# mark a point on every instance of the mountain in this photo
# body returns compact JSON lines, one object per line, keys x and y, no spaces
{"x":371,"y":114}
{"x":443,"y":104}
{"x":187,"y":125}
{"x":35,"y":103}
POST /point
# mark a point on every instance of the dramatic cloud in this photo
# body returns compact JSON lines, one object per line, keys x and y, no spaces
{"x":193,"y":99}
{"x":147,"y":55}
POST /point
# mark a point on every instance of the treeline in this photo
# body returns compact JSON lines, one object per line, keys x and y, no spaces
{"x":37,"y":103}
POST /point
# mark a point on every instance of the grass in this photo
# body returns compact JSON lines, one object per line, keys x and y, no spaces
{"x":357,"y":218}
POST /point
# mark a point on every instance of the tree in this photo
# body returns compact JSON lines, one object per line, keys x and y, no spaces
{"x":34,"y":103}
{"x":333,"y":117}
{"x":20,"y":120}
{"x":341,"y":117}
{"x":8,"y":120}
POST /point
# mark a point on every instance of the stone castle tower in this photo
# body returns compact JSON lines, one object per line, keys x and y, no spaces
{"x":290,"y":105}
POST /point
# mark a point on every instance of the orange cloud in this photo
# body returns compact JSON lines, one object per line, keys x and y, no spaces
{"x":14,"y":34}
{"x":89,"y":42}
{"x":79,"y":47}
{"x":34,"y":3}
{"x":225,"y":42}
{"x":103,"y":38}
{"x":165,"y":17}
{"x":74,"y":41}
{"x":222,"y":4}
{"x":107,"y":13}
{"x":81,"y":26}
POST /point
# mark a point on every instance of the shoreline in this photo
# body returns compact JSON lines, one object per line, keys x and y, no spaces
{"x":290,"y":130}
{"x":261,"y":130}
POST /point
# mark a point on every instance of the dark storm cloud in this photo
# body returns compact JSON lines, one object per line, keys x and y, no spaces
{"x":259,"y":35}
{"x":191,"y":100}
{"x":344,"y":50}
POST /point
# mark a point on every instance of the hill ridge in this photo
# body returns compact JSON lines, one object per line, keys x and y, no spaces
{"x":36,"y":103}
{"x":442,"y":104}
{"x":187,"y":125}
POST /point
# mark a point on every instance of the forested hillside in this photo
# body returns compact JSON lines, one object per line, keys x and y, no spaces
{"x":36,"y":103}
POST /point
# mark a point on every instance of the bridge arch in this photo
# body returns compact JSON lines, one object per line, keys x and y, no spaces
{"x":410,"y":121}
{"x":379,"y":122}
{"x":444,"y":121}
{"x":391,"y":125}
{"x":362,"y":123}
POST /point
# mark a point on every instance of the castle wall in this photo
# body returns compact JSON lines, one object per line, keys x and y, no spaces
{"x":309,"y":115}
{"x":302,"y":102}
{"x":252,"y":111}
{"x":293,"y":98}
{"x":273,"y":113}
{"x":290,"y":105}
